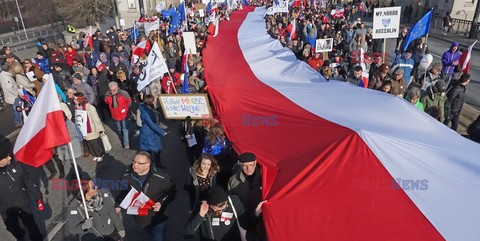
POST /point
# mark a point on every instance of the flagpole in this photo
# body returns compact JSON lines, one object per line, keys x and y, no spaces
{"x":78,"y":179}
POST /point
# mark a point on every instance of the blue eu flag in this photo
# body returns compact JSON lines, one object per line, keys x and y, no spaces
{"x":177,"y":18}
{"x":422,"y":27}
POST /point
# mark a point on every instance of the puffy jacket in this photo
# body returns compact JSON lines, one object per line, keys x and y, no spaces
{"x":435,"y":100}
{"x":9,"y":87}
{"x":43,"y":64}
{"x":119,"y":112}
{"x":455,"y":98}
{"x":406,"y":65}
{"x":448,"y":58}
{"x":63,"y":79}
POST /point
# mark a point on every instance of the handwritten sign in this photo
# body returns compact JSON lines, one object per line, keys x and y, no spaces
{"x":180,"y":106}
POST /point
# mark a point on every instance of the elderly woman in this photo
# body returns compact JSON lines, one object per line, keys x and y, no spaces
{"x":86,"y":118}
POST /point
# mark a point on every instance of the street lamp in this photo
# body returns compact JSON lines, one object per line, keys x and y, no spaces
{"x":21,"y":19}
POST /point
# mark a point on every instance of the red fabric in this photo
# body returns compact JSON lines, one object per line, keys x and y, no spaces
{"x":293,"y":32}
{"x":71,"y":55}
{"x":38,"y":150}
{"x":314,"y":170}
{"x":211,"y":29}
{"x":462,"y":60}
{"x":315,"y":63}
{"x":168,"y":86}
{"x":121,"y":112}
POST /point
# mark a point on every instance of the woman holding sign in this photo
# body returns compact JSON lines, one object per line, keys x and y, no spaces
{"x":87,"y":120}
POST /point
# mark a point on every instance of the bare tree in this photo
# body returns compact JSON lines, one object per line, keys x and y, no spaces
{"x":84,"y":12}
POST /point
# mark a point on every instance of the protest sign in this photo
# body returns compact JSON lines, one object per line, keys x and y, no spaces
{"x":189,"y":43}
{"x":180,"y":106}
{"x":324,"y":45}
{"x":151,"y":26}
{"x":154,"y":68}
{"x":386,"y":22}
{"x":280,"y":6}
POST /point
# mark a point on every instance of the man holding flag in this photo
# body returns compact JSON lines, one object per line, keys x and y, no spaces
{"x":422,"y":27}
{"x":152,"y":183}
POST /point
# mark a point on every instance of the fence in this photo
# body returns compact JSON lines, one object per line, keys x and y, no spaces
{"x":460,"y":26}
{"x":18,"y":41}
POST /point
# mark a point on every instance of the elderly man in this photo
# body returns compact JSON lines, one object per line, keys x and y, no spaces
{"x":156,"y":185}
{"x":118,"y":102}
{"x":399,"y":86}
{"x":246,"y":183}
{"x":405,"y":63}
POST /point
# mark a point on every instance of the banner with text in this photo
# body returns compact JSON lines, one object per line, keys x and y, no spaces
{"x":154,"y":68}
{"x":180,"y":106}
{"x":386,"y":22}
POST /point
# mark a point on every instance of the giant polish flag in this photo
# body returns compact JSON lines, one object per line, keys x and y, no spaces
{"x":339,"y":162}
{"x":43,"y":130}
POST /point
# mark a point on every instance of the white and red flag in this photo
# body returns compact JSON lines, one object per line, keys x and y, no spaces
{"x":88,"y":41}
{"x":465,"y":58}
{"x":140,"y":49}
{"x":137,"y":203}
{"x":43,"y":130}
{"x":364,"y":83}
{"x":292,"y":29}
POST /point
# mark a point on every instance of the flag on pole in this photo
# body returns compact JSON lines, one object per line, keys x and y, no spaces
{"x":466,"y":57}
{"x":137,"y":203}
{"x":362,"y":7}
{"x":88,"y":41}
{"x":292,"y":29}
{"x":217,"y":23}
{"x":337,"y":13}
{"x":140,"y":49}
{"x":43,"y":130}
{"x":421,"y":28}
{"x":185,"y":72}
{"x":364,"y":82}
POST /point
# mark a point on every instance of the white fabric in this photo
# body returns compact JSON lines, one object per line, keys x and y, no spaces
{"x":409,"y":143}
{"x":46,"y":102}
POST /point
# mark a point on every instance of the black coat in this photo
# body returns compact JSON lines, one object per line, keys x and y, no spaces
{"x":158,"y":187}
{"x":455,"y":98}
{"x":15,"y":187}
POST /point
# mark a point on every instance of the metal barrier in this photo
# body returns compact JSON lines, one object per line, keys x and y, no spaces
{"x":18,"y":42}
{"x":460,"y":26}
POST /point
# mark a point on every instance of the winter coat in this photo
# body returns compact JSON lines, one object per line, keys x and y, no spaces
{"x":399,"y":87}
{"x":15,"y":186}
{"x":150,"y":132}
{"x":43,"y":64}
{"x":63,"y":152}
{"x":168,"y":85}
{"x":105,"y":221}
{"x":196,"y":186}
{"x":102,"y":85}
{"x":435,"y":100}
{"x":9,"y":87}
{"x":96,"y":124}
{"x":316,"y":64}
{"x":209,"y":230}
{"x":157,"y":186}
{"x":406,"y":65}
{"x":71,"y":56}
{"x":123,"y":100}
{"x":86,"y":90}
{"x":22,"y":80}
{"x":377,"y":81}
{"x":449,"y":57}
{"x":455,"y":98}
{"x":63,"y":79}
{"x":473,"y":130}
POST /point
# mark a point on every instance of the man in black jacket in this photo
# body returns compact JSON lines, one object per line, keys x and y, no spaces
{"x":455,"y":100}
{"x":156,"y":185}
{"x":62,"y":77}
{"x":15,"y":203}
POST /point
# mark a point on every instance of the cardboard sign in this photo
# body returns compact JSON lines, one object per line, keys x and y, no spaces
{"x":386,"y":22}
{"x":202,"y":6}
{"x":189,"y":43}
{"x":180,"y":106}
{"x":324,"y":45}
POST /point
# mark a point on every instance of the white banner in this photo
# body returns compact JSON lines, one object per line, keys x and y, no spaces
{"x":386,"y":22}
{"x":324,"y":45}
{"x":155,"y":68}
{"x":189,"y":42}
{"x":151,"y":26}
{"x":269,"y":11}
{"x":179,"y":106}
{"x":160,"y":6}
{"x":282,"y":6}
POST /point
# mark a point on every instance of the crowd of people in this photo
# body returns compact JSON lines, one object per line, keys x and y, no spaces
{"x":97,"y":81}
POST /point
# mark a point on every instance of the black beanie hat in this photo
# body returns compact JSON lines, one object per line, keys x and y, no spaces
{"x":247,"y":157}
{"x":216,"y":195}
{"x":77,"y":76}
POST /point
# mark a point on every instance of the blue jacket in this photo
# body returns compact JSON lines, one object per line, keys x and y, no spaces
{"x":43,"y":65}
{"x":406,"y":65}
{"x":150,"y":132}
{"x":449,"y":57}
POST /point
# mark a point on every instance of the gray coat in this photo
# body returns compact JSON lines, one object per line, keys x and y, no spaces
{"x":63,"y":152}
{"x":87,"y":91}
{"x":105,"y":220}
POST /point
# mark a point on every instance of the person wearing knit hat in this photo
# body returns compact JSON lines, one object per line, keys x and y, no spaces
{"x":15,"y":202}
{"x":435,"y":97}
{"x":246,"y":183}
{"x":217,"y":217}
{"x":84,"y":88}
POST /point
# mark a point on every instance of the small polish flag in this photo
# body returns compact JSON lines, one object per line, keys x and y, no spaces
{"x":364,"y":82}
{"x":140,"y":49}
{"x":137,"y":203}
{"x":292,"y":29}
{"x":43,"y":130}
{"x":88,"y":41}
{"x":465,"y":58}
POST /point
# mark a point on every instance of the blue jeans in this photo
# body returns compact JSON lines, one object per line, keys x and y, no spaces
{"x":158,"y":231}
{"x":17,"y":117}
{"x":123,"y":131}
